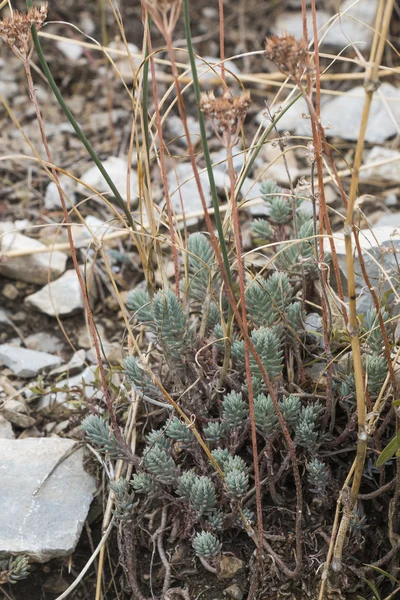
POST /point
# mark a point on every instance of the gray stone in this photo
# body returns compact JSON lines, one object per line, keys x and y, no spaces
{"x":388,"y":171}
{"x":234,"y":592}
{"x":32,"y":268}
{"x":73,"y":365}
{"x":291,"y":118}
{"x":391,"y":220}
{"x":343,"y":114}
{"x":207,"y":76}
{"x":117,"y":169}
{"x":73,"y":387}
{"x":15,"y":412}
{"x":10,"y":292}
{"x":352,"y":26}
{"x":291,"y":23}
{"x":181,"y":182}
{"x":43,"y":342}
{"x":52,"y":198}
{"x":381,"y":254}
{"x":315,"y":329}
{"x":176,"y":128}
{"x":63,"y":296}
{"x":45,"y":496}
{"x":355,"y":25}
{"x":6,"y":431}
{"x":69,"y":49}
{"x":26,"y":363}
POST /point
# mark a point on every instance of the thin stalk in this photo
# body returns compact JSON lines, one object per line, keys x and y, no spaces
{"x":118,"y":198}
{"x":203,"y":134}
{"x":222,"y":39}
{"x":381,"y":30}
{"x":164,"y":171}
{"x":92,"y":327}
{"x":253,"y":427}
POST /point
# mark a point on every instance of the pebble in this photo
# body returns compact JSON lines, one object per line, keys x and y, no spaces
{"x":176,"y":129}
{"x":63,"y":296}
{"x":73,"y":387}
{"x":43,"y":342}
{"x":234,"y":592}
{"x":45,"y":497}
{"x":116,"y":168}
{"x":181,"y":182}
{"x":32,"y":268}
{"x":10,"y":292}
{"x":207,"y":76}
{"x":388,"y":171}
{"x":15,"y":412}
{"x":52,"y":197}
{"x":70,"y":50}
{"x":6,"y":431}
{"x":341,"y":116}
{"x":229,"y":566}
{"x":27,"y":363}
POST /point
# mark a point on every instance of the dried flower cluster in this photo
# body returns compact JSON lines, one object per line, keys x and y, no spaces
{"x":16,"y":30}
{"x":164,"y":13}
{"x":227,"y":113}
{"x":289,"y":55}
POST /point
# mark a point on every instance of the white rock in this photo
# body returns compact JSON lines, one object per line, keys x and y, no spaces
{"x":73,"y":386}
{"x":176,"y":128}
{"x":74,"y":364}
{"x":123,"y":63}
{"x":43,"y":342}
{"x":291,"y":23}
{"x":276,"y":169}
{"x":69,"y":49}
{"x":15,"y":412}
{"x":381,"y":254}
{"x":352,"y":26}
{"x":344,"y":114}
{"x":45,"y":496}
{"x":181,"y":182}
{"x":32,"y":268}
{"x":290,"y":120}
{"x":355,"y":25}
{"x":27,"y":363}
{"x":388,"y":171}
{"x":117,"y":170}
{"x":52,"y":198}
{"x":6,"y":431}
{"x":207,"y":76}
{"x":63,"y":296}
{"x":251,"y":190}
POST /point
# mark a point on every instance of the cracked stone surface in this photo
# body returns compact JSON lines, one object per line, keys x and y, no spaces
{"x":44,"y":500}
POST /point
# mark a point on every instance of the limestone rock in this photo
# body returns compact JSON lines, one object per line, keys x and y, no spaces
{"x":31,"y":267}
{"x":343,"y":114}
{"x":45,"y":496}
{"x":389,"y":170}
{"x":229,"y":566}
{"x":27,"y":363}
{"x":52,"y":198}
{"x":63,"y":296}
{"x":73,"y":386}
{"x":43,"y":342}
{"x":15,"y":412}
{"x":6,"y":431}
{"x":181,"y":182}
{"x":117,"y":169}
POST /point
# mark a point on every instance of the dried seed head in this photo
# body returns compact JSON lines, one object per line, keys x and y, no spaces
{"x":164,"y":13}
{"x":227,"y":113}
{"x":289,"y":55}
{"x":16,"y":30}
